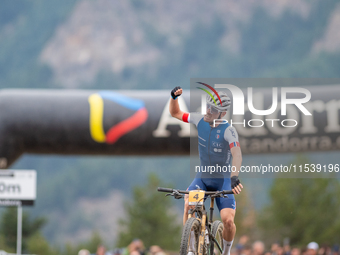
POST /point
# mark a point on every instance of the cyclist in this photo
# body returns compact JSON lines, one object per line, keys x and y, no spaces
{"x":216,"y":144}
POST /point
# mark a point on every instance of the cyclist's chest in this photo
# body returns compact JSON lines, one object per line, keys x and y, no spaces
{"x":211,"y":140}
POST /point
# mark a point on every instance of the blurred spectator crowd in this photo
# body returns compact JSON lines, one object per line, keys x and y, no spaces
{"x":136,"y":247}
{"x":258,"y":248}
{"x":244,"y":247}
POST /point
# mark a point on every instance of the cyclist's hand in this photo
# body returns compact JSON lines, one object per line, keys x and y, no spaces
{"x":236,"y":185}
{"x":176,"y":92}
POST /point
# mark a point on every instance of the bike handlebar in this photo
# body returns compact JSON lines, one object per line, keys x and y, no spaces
{"x":165,"y":190}
{"x":187,"y":192}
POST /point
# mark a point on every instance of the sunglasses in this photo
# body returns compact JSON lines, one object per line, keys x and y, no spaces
{"x":212,"y":109}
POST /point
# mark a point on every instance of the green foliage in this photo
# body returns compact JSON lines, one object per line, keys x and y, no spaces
{"x":302,"y":209}
{"x":91,"y":245}
{"x":8,"y":227}
{"x":33,"y":241}
{"x":150,"y":217}
{"x":37,"y":244}
{"x":4,"y":246}
{"x":245,"y":217}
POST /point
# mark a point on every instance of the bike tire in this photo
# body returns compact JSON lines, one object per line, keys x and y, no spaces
{"x":217,"y":232}
{"x":191,"y":224}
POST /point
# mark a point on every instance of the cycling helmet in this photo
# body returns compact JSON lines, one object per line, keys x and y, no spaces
{"x":224,"y":98}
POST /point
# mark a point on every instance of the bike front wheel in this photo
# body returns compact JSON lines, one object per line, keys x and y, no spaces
{"x":216,"y":246}
{"x":190,"y":235}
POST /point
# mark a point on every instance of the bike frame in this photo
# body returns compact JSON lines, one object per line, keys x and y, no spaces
{"x":202,"y":217}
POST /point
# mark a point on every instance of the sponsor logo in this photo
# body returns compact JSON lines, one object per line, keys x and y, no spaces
{"x":216,"y":144}
{"x":96,"y":102}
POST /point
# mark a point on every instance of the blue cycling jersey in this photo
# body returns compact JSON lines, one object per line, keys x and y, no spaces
{"x":213,"y":148}
{"x":214,"y":145}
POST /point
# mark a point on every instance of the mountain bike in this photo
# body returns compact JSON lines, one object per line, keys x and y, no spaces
{"x":208,"y":238}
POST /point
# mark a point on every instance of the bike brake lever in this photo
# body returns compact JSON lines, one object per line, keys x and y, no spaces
{"x":175,"y":194}
{"x":223,"y":195}
{"x":220,"y":194}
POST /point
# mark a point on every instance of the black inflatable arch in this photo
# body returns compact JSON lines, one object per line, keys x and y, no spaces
{"x":138,"y":123}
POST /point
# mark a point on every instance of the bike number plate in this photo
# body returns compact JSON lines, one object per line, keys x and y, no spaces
{"x":196,"y":197}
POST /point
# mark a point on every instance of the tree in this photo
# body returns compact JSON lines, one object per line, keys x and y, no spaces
{"x":8,"y":227}
{"x":245,"y":217}
{"x":303,"y":209}
{"x":90,"y":245}
{"x":37,"y":244}
{"x":150,"y":217}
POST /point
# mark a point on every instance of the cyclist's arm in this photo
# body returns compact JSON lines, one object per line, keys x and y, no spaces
{"x":231,"y":136}
{"x":176,"y":112}
{"x":174,"y":108}
{"x":237,"y":160}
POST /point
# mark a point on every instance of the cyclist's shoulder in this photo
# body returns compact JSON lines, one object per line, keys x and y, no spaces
{"x":195,"y":117}
{"x":231,"y":128}
{"x":230,"y":133}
